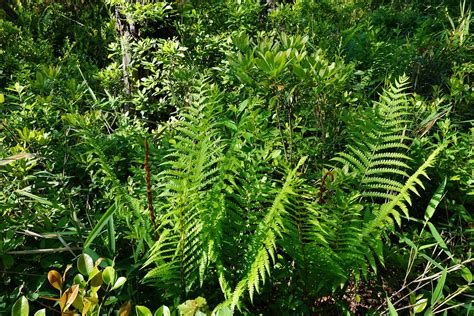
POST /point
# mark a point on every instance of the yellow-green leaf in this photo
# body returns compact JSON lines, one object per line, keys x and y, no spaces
{"x":420,"y":305}
{"x":21,"y":307}
{"x":142,"y":311}
{"x":108,"y":275}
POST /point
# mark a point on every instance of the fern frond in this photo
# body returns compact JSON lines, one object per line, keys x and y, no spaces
{"x":263,"y":243}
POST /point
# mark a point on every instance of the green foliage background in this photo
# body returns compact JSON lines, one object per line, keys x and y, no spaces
{"x":306,"y":157}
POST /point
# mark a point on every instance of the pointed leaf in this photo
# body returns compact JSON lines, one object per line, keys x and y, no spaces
{"x":391,"y":309}
{"x":142,"y":311}
{"x":439,"y":288}
{"x":104,"y":220}
{"x":438,"y":238}
{"x":120,"y":281}
{"x":434,"y":202}
{"x":163,"y":311}
{"x":420,"y":305}
{"x":21,"y":307}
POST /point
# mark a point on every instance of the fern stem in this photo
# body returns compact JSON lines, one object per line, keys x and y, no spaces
{"x":148,"y":188}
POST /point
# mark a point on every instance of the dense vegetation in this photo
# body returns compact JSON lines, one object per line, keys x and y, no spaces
{"x":236,"y":157}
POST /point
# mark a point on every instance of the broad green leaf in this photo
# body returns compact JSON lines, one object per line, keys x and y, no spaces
{"x":142,"y":311}
{"x":102,"y":222}
{"x":85,"y":264}
{"x":108,"y":275}
{"x":420,"y":305}
{"x":434,"y":202}
{"x":439,"y":288}
{"x":391,"y":309}
{"x":21,"y":307}
{"x":2,"y":98}
{"x":41,"y":312}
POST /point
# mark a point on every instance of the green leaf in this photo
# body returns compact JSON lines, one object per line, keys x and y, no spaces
{"x":21,"y":307}
{"x":439,"y":288}
{"x":120,"y":281}
{"x":2,"y":98}
{"x":163,"y":311}
{"x":434,"y":202}
{"x":391,"y":309}
{"x":41,"y":312}
{"x":108,"y":275}
{"x":111,"y":235}
{"x":420,"y":305}
{"x":142,"y":311}
{"x":34,"y":197}
{"x":85,"y":264}
{"x":466,"y":274}
{"x":438,"y":238}
{"x":224,"y":311}
{"x":102,"y":222}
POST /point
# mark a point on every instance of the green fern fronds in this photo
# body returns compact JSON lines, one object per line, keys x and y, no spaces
{"x":190,"y":169}
{"x":263,"y":244}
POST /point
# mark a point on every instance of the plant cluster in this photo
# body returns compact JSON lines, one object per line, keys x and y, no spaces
{"x":236,"y":157}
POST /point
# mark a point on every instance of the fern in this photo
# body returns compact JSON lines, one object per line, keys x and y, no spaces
{"x":372,"y":186}
{"x":263,"y":244}
{"x":189,"y":171}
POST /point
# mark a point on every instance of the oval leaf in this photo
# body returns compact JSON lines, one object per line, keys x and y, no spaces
{"x":55,"y":279}
{"x":85,"y":264}
{"x":41,"y":312}
{"x":21,"y":307}
{"x":120,"y":281}
{"x":466,"y":274}
{"x":108,"y":275}
{"x":96,"y":281}
{"x":420,"y":305}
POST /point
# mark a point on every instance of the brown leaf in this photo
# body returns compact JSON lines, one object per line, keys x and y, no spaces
{"x":68,"y":297}
{"x":125,"y":309}
{"x":55,"y":279}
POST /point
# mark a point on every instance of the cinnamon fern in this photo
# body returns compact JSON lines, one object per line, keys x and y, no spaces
{"x":228,"y":204}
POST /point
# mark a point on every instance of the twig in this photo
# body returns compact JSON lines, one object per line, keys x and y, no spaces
{"x":39,"y":251}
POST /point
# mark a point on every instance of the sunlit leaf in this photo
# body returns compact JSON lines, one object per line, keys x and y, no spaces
{"x":21,"y":307}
